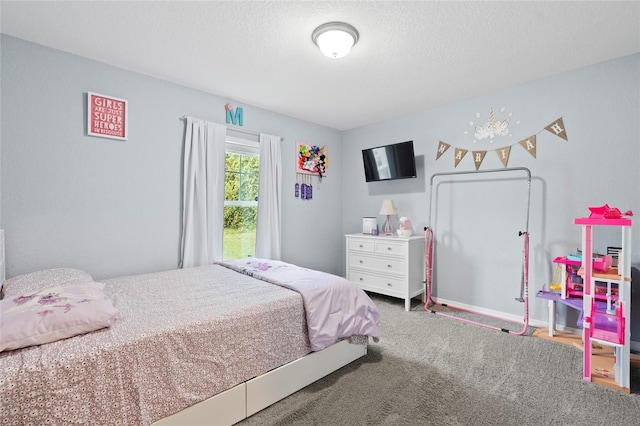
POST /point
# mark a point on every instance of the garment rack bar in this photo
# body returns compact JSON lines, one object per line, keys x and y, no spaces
{"x":429,"y":250}
{"x":232,"y":129}
{"x":474,"y":172}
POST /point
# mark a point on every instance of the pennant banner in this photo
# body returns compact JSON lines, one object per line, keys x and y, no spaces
{"x":442,"y":148}
{"x":478,"y":156}
{"x":503,"y":154}
{"x":557,"y":128}
{"x":460,"y":153}
{"x":529,"y":144}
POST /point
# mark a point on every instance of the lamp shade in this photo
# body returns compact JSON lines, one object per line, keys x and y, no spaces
{"x":335,"y":39}
{"x":388,"y":208}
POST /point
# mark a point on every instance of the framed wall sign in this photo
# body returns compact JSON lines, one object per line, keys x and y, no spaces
{"x":107,"y":116}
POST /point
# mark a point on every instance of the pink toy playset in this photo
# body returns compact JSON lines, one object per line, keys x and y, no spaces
{"x":607,"y":326}
{"x":571,"y":282}
{"x":600,"y":291}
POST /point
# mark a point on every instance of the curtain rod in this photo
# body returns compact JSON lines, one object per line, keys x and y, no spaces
{"x":248,"y":132}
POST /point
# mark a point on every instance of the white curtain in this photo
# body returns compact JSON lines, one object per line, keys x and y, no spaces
{"x":269,"y":199}
{"x":203,"y":193}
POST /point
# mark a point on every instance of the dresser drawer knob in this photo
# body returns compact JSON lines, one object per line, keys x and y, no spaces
{"x":360,"y":261}
{"x":389,"y":285}
{"x":361,"y":279}
{"x":360,"y":245}
{"x":389,"y":248}
{"x":389,"y":266}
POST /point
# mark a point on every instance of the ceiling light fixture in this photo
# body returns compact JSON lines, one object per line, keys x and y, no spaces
{"x":335,"y":39}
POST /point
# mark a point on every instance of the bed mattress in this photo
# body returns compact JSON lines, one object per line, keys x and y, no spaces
{"x":184,"y":336}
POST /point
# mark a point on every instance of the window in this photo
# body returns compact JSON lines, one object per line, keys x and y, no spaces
{"x":240,"y":198}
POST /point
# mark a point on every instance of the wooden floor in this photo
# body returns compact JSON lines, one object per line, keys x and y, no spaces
{"x":602,"y":359}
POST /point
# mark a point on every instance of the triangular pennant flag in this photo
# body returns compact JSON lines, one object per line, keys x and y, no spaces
{"x":530,"y":145}
{"x":460,"y":153}
{"x":478,"y":156}
{"x":503,"y":154}
{"x":442,"y":147}
{"x":557,"y":128}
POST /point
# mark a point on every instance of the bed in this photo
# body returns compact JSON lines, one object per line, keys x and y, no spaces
{"x":205,"y":345}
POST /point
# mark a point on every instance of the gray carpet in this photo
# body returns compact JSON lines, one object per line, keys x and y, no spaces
{"x":432,"y":370}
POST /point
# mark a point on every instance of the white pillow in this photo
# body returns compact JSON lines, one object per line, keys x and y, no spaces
{"x":39,"y":280}
{"x":53,"y":314}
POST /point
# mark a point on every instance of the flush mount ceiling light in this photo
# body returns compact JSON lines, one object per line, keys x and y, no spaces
{"x":335,"y":39}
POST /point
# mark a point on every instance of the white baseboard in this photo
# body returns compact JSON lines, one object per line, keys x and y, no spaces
{"x":635,"y":346}
{"x":484,"y":311}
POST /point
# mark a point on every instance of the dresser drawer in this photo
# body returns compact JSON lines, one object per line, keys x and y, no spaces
{"x":377,"y":263}
{"x":390,"y":248}
{"x":375,"y":282}
{"x":361,"y":245}
{"x":386,"y":264}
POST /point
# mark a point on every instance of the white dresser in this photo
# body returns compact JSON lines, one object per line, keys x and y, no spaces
{"x":388,"y":265}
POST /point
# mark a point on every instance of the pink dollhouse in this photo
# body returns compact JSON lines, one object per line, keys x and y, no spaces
{"x":601,"y":292}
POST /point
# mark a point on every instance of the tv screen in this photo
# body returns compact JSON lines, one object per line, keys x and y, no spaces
{"x":396,"y":161}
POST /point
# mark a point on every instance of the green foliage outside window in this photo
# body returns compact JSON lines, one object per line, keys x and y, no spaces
{"x":241,"y":185}
{"x":241,"y":205}
{"x":238,"y":244}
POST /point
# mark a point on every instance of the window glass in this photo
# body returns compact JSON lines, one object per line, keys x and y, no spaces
{"x":241,"y":199}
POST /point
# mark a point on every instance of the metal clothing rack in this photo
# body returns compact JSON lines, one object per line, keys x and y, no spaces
{"x":429,"y":247}
{"x":233,"y":129}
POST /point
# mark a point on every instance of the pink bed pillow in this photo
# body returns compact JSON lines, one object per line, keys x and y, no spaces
{"x":40,"y":280}
{"x":54,"y":313}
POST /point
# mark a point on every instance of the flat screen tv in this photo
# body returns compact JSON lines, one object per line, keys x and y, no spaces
{"x":395,"y":161}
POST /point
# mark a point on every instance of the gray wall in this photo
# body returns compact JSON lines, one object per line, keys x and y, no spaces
{"x":113,"y":207}
{"x":476,"y":221}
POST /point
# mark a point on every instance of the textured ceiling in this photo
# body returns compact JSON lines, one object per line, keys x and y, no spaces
{"x":411,"y":55}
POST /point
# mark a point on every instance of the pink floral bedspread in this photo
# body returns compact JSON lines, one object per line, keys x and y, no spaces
{"x":335,"y":308}
{"x":184,"y":336}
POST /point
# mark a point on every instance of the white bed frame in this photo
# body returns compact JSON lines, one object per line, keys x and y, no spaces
{"x":248,"y":398}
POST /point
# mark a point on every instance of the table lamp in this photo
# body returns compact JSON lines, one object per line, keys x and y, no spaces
{"x":388,"y":208}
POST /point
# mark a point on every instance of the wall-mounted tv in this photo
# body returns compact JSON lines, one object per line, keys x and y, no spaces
{"x":395,"y":161}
